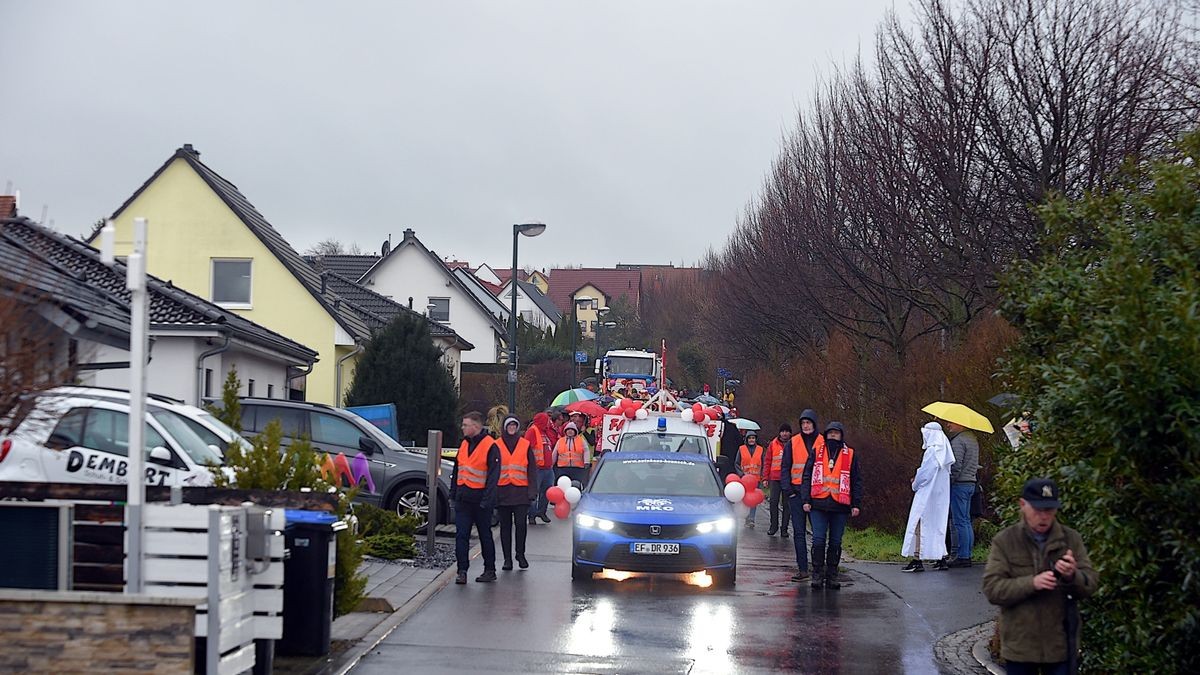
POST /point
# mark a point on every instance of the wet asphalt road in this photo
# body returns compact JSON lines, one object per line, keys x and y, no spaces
{"x":537,"y":621}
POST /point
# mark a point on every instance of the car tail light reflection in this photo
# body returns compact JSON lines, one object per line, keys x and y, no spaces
{"x":5,"y":446}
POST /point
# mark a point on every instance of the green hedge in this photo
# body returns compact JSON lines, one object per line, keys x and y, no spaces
{"x":1108,"y":366}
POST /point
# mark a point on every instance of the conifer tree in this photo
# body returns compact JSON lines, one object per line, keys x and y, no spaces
{"x":402,"y":365}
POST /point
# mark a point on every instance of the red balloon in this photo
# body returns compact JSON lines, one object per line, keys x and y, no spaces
{"x":630,"y":403}
{"x":750,"y":481}
{"x":631,"y":413}
{"x":731,"y":478}
{"x":562,"y":510}
{"x":616,"y":410}
{"x":713,"y":413}
{"x":555,"y":494}
{"x":753,"y":499}
{"x":697,"y":409}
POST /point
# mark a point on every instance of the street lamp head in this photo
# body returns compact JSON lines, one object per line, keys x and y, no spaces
{"x":530,"y":229}
{"x":610,"y":324}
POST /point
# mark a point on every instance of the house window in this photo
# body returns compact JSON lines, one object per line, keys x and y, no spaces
{"x":231,"y":282}
{"x":208,"y":383}
{"x":439,"y":309}
{"x":270,"y":391}
{"x":593,"y":330}
{"x":250,"y":387}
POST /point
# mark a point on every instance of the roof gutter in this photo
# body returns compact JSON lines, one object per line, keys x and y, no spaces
{"x":358,"y":349}
{"x":200,"y":367}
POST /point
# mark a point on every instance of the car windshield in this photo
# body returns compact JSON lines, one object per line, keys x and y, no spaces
{"x":191,"y":443}
{"x":631,"y":365}
{"x":206,"y":433}
{"x":655,"y":476}
{"x":663,"y":442}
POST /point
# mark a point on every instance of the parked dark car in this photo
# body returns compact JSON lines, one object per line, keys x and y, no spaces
{"x":398,"y":473}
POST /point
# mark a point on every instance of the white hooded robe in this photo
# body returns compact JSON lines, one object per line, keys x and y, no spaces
{"x":931,"y":503}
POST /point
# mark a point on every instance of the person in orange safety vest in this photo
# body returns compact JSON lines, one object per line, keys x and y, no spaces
{"x":751,"y":459}
{"x":793,"y":476}
{"x":516,"y":490}
{"x":540,"y":439}
{"x":473,"y":485}
{"x":776,"y":502}
{"x":831,"y":492}
{"x":571,"y":454}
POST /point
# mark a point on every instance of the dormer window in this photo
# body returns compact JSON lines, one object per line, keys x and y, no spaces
{"x":231,"y":282}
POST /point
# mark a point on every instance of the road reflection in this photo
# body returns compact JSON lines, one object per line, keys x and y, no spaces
{"x":710,"y":635}
{"x":591,"y":631}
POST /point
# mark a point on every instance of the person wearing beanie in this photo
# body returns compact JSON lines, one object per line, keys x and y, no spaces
{"x":516,"y":488}
{"x":792,"y":476}
{"x":751,"y":460}
{"x":775,"y":453}
{"x":831,"y":491}
{"x":571,"y":454}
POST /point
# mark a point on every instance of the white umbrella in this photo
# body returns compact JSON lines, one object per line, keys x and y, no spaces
{"x":745,"y":424}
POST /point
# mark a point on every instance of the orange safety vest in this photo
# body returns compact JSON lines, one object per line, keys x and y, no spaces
{"x":776,"y":449}
{"x":539,"y":448}
{"x":832,"y":479}
{"x":473,"y":466}
{"x":514,"y":465}
{"x":572,"y":456}
{"x":751,"y":463}
{"x":800,"y":456}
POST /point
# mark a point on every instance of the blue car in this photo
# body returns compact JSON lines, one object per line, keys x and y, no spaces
{"x":655,"y":512}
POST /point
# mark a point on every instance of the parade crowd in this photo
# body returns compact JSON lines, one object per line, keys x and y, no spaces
{"x":1037,"y":569}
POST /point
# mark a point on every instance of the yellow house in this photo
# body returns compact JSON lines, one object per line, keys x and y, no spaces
{"x":206,"y":237}
{"x":538,"y":279}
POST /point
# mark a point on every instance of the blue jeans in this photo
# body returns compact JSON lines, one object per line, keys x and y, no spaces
{"x":827,"y":525}
{"x":466,"y":516}
{"x":800,"y":534}
{"x":960,"y":511}
{"x":545,"y":481}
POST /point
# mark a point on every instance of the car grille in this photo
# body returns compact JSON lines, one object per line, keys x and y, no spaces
{"x":642,"y":531}
{"x":621,"y":558}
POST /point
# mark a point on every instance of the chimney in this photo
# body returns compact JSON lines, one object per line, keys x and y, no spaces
{"x":410,"y":302}
{"x":409,"y":235}
{"x":187,"y":147}
{"x":324,"y":282}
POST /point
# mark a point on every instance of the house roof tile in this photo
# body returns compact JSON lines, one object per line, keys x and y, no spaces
{"x":349,"y":266}
{"x":170,"y":307}
{"x":566,"y":281}
{"x":378,"y":310}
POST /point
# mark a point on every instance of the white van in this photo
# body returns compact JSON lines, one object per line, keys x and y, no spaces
{"x":70,"y":438}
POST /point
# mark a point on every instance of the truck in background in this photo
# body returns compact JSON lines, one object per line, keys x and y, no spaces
{"x":630,"y":373}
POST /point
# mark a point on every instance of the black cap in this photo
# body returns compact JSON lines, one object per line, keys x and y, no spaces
{"x":785,"y":427}
{"x":835,"y":426}
{"x":1041,"y":493}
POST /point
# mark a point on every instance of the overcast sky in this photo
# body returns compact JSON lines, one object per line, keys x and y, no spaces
{"x":637,"y":131}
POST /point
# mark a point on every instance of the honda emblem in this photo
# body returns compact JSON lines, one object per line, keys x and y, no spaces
{"x":655,"y":530}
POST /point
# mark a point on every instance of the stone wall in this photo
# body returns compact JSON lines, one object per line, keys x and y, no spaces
{"x":74,"y":632}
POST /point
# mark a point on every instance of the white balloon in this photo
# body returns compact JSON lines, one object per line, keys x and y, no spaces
{"x":563,"y":482}
{"x":642,"y":413}
{"x":686,"y":415}
{"x":573,"y":495}
{"x":735,"y":491}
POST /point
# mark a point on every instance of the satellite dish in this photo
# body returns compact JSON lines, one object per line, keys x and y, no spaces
{"x":386,"y":248}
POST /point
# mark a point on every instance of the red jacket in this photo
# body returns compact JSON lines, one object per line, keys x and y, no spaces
{"x":774,"y":459}
{"x":544,"y":452}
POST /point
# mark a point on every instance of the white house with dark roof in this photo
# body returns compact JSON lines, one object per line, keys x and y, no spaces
{"x":194,"y":342}
{"x":411,"y":273}
{"x":532,"y":306}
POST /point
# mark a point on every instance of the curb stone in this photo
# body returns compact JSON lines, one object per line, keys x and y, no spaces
{"x":344,"y":662}
{"x":966,"y":651}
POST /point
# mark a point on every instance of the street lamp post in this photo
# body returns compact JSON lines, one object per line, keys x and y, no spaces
{"x":574,"y":333}
{"x":529,"y":230}
{"x":600,"y":347}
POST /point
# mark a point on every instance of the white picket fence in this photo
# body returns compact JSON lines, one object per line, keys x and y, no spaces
{"x":229,"y":556}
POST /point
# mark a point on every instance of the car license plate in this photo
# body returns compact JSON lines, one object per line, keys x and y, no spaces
{"x":655,"y":548}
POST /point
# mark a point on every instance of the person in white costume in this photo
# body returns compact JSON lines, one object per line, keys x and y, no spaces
{"x":925,"y":536}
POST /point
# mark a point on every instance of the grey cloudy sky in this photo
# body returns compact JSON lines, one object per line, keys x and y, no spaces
{"x":636,"y":130}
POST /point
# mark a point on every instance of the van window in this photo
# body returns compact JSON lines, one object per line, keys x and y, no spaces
{"x":334,"y":430}
{"x":291,"y":419}
{"x":69,"y":431}
{"x":108,"y":431}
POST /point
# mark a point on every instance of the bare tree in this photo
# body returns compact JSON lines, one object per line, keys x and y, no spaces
{"x":332,"y":246}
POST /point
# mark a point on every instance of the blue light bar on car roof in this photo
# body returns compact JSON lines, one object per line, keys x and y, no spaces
{"x":662,"y":424}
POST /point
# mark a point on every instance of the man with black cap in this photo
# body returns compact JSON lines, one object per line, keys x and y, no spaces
{"x":831,"y":492}
{"x":780,"y":446}
{"x":1037,"y":571}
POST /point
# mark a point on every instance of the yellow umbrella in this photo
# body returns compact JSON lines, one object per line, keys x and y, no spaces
{"x":959,"y":414}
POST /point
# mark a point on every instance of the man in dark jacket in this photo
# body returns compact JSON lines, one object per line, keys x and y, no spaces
{"x":473,"y":486}
{"x":830,"y":473}
{"x":790,"y":481}
{"x":1036,"y":572}
{"x":963,"y":473}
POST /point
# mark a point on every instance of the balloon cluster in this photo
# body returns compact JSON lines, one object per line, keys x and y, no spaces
{"x":743,"y":489}
{"x":699,"y":414}
{"x":563,"y":496}
{"x":335,"y":468}
{"x":630,"y":408}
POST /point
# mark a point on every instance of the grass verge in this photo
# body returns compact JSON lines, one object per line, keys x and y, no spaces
{"x":878,"y":546}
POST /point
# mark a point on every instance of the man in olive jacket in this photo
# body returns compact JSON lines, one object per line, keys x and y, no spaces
{"x":1037,"y":571}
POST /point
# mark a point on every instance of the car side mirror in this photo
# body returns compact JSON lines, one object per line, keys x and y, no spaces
{"x":160,"y":455}
{"x":217,"y":449}
{"x":368,"y":445}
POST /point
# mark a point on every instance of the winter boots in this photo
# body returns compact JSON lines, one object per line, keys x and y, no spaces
{"x":832,"y":559}
{"x":817,"y":561}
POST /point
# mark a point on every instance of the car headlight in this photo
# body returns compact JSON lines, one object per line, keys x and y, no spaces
{"x":722,"y":525}
{"x":584,"y":520}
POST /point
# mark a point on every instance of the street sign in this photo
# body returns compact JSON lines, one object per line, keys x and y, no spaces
{"x":581,"y":357}
{"x":724,"y":372}
{"x":512,"y":376}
